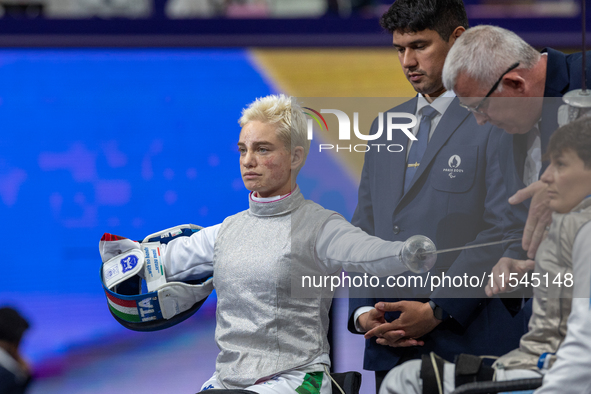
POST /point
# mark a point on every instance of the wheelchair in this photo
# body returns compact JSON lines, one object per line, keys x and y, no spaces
{"x":524,"y":386}
{"x":472,"y":377}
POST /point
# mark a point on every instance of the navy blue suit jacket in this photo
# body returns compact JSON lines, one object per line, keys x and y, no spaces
{"x":563,"y":73}
{"x":452,"y":211}
{"x":9,"y":384}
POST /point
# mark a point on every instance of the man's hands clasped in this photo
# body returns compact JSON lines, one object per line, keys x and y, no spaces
{"x":416,"y":320}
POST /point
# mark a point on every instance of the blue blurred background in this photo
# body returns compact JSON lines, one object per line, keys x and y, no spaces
{"x":127,"y":141}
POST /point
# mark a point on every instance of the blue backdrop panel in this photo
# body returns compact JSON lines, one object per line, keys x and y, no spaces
{"x":122,"y":141}
{"x":128,"y":142}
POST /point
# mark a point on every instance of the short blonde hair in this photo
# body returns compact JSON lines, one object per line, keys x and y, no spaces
{"x":285,"y":114}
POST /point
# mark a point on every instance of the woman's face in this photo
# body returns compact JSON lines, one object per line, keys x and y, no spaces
{"x":265,"y":163}
{"x":568,"y":180}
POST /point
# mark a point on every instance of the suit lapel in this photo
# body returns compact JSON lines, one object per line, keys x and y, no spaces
{"x":509,"y":161}
{"x":396,"y":162}
{"x":549,"y":123}
{"x":453,"y":117}
{"x":519,"y":155}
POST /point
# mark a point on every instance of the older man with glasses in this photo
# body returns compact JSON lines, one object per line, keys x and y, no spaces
{"x":476,"y":109}
{"x":504,"y":81}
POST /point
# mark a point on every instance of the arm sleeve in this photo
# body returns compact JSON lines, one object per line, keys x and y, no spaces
{"x":513,"y":216}
{"x":340,"y":245}
{"x":187,"y":258}
{"x":570,"y":372}
{"x":358,"y":312}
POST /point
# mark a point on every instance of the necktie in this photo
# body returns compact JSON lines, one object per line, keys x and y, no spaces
{"x":418,"y":147}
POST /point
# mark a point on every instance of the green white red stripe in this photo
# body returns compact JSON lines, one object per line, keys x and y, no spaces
{"x":161,"y":265}
{"x":126,"y":310}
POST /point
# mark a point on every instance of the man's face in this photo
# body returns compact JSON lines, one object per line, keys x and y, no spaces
{"x":569,"y":182}
{"x":265,"y":163}
{"x":422,"y":55}
{"x":509,"y":109}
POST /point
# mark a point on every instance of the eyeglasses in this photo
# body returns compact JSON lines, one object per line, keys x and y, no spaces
{"x":491,"y":91}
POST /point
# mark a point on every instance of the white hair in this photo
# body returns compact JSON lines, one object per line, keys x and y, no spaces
{"x":285,"y":114}
{"x":484,"y":53}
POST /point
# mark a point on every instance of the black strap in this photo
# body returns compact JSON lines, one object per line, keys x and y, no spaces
{"x":498,"y":387}
{"x":428,"y":375}
{"x":470,"y":369}
{"x":350,"y":382}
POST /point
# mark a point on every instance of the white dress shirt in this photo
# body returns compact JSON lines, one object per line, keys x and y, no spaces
{"x":533,"y":159}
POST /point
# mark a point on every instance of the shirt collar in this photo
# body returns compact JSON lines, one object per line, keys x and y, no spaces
{"x":283,"y":205}
{"x":440,"y":103}
{"x":266,"y":199}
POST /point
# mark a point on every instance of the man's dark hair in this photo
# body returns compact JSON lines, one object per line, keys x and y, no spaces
{"x":12,"y":325}
{"x":411,"y":16}
{"x":575,"y":136}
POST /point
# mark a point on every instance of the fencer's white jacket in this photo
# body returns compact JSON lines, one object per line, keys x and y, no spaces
{"x":570,"y":372}
{"x":261,"y":329}
{"x":552,"y":304}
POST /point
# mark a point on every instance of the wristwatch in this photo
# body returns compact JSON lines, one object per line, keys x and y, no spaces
{"x":438,"y":312}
